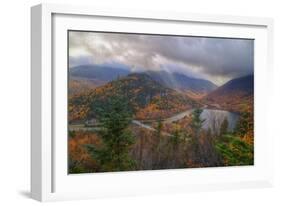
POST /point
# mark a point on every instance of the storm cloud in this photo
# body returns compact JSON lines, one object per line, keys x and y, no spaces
{"x":215,"y":59}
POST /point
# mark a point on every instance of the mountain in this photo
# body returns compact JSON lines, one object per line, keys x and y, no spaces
{"x":182,"y":82}
{"x":244,"y":85}
{"x":79,"y":85}
{"x":86,"y":77}
{"x":148,"y":99}
{"x":98,"y":72}
{"x":235,"y":95}
{"x":91,"y":76}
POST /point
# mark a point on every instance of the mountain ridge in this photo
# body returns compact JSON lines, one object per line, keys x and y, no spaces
{"x":147,"y":98}
{"x":182,"y":82}
{"x":235,"y":95}
{"x":100,"y":75}
{"x":99,"y":72}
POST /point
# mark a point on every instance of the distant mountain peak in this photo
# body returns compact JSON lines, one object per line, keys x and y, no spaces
{"x":173,"y":80}
{"x":148,"y":99}
{"x":234,"y":95}
{"x":244,"y":83}
{"x":98,"y":72}
{"x":179,"y":81}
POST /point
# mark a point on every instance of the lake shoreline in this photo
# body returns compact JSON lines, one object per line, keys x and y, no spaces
{"x":212,"y":118}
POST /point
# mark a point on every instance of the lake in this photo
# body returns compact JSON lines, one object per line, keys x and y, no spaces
{"x":213,"y":118}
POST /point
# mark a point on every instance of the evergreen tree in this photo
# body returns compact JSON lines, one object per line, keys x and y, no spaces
{"x":197,"y":122}
{"x":114,"y":118}
{"x":244,"y":124}
{"x":157,"y":145}
{"x":174,"y":143}
{"x":175,"y":138}
{"x":159,"y":130}
{"x":196,"y":125}
{"x":235,"y":151}
{"x":224,"y":127}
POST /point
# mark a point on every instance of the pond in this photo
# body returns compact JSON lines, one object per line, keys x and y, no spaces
{"x":214,"y":119}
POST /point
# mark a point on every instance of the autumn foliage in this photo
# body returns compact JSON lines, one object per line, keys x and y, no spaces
{"x":116,"y":144}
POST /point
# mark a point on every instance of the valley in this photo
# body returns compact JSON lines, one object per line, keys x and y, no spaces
{"x":164,"y":112}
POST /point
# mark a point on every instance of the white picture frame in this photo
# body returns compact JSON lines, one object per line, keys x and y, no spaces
{"x":49,"y":179}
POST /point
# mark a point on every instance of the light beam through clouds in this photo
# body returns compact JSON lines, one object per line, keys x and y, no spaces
{"x":214,"y":59}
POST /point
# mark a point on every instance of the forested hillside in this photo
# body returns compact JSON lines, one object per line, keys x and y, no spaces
{"x":136,"y":124}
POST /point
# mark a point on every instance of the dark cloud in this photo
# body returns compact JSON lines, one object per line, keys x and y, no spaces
{"x":216,"y":59}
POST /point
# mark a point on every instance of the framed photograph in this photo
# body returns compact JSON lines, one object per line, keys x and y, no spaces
{"x":136,"y":102}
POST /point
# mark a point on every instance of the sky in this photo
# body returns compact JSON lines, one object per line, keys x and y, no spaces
{"x":214,"y":59}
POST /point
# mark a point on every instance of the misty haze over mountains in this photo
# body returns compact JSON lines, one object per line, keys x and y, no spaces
{"x":215,"y":59}
{"x":102,"y":74}
{"x":172,"y":80}
{"x":142,"y":102}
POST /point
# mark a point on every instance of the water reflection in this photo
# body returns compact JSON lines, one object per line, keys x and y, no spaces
{"x":214,"y":119}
